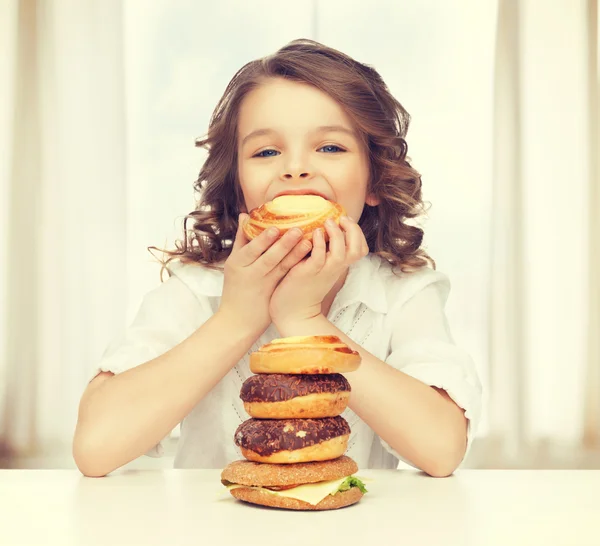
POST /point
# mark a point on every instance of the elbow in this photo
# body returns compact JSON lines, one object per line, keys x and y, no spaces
{"x":446,"y":461}
{"x":90,"y":468}
{"x":450,"y":449}
{"x":440,"y":469}
{"x":89,"y":458}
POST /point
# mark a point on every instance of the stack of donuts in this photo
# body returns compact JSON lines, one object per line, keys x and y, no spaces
{"x":295,"y":401}
{"x":295,"y":439}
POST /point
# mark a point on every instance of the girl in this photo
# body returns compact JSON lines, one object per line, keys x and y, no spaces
{"x":306,"y":119}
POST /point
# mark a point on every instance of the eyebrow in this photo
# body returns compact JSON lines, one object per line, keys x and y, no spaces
{"x":321,"y":129}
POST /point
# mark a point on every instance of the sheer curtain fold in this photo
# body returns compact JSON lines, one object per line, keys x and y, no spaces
{"x":506,"y":340}
{"x":66,"y":214}
{"x":22,"y":170}
{"x":591,"y":435}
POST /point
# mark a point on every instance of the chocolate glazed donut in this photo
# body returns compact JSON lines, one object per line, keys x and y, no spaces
{"x":284,"y":441}
{"x":291,"y":396}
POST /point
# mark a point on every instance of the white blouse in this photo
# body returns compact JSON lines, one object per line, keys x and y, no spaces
{"x":399,"y":318}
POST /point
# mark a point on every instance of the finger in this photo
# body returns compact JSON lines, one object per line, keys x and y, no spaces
{"x":356,"y":244}
{"x":274,"y":255}
{"x":252,"y":251}
{"x":337,"y":242}
{"x":297,"y":254}
{"x":240,"y":237}
{"x":318,"y":254}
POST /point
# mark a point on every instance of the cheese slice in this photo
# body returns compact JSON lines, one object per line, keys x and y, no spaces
{"x":313,"y":493}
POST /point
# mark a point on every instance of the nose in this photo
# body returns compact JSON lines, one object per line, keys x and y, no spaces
{"x":296,"y":167}
{"x":291,"y":176}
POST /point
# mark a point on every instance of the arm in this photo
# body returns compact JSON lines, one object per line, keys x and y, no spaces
{"x":122,"y":416}
{"x":421,"y":423}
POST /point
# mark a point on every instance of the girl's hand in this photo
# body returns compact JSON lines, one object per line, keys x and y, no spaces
{"x":253,"y":270}
{"x":301,"y":292}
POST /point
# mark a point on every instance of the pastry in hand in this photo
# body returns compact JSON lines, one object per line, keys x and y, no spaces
{"x":307,"y":212}
{"x":305,"y":355}
{"x":299,"y":396}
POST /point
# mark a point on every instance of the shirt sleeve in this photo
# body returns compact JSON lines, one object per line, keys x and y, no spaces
{"x":422,"y":347}
{"x":167,"y":315}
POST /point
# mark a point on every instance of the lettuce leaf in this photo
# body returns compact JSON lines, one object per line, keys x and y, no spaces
{"x":352,"y":481}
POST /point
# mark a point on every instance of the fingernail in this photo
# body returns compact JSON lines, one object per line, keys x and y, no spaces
{"x":330,"y":222}
{"x":272,"y":232}
{"x":295,"y":232}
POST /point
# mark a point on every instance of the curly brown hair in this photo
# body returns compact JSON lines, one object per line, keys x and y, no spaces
{"x":382,"y":123}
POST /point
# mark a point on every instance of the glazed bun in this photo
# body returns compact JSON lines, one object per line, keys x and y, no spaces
{"x":305,"y":355}
{"x":283,"y":396}
{"x":307,"y":212}
{"x":287,"y":441}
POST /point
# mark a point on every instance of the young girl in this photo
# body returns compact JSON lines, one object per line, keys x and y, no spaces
{"x":307,"y":119}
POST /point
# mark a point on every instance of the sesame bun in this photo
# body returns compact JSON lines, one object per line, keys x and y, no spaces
{"x":286,"y":396}
{"x":287,"y":441}
{"x":305,"y":355}
{"x":307,"y":212}
{"x":265,"y":475}
{"x":264,"y":498}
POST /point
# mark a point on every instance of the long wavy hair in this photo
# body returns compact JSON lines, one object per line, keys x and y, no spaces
{"x":209,"y":230}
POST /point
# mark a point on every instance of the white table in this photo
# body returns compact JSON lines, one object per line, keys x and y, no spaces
{"x":158,"y":507}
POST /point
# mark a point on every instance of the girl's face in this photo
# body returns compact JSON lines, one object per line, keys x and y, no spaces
{"x":292,"y":136}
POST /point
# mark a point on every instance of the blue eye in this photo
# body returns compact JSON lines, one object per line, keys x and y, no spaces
{"x":332,"y":146}
{"x":259,"y":154}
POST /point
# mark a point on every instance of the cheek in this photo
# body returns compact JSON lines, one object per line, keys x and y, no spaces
{"x":351,"y":182}
{"x":351,"y":190}
{"x":252,"y":185}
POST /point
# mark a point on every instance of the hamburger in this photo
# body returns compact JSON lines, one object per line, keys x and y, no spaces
{"x":325,"y":485}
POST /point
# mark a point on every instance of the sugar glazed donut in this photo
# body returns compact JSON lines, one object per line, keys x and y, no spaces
{"x":323,"y":354}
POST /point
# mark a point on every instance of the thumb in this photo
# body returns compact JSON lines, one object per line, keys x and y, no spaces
{"x":240,"y":236}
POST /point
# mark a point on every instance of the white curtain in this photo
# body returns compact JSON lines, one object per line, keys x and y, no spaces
{"x":97,"y":162}
{"x":544,"y":277}
{"x":63,"y":239}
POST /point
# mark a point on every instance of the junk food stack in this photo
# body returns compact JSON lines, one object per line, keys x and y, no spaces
{"x":295,"y":440}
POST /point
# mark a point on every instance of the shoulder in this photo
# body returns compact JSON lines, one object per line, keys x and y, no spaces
{"x":400,"y":286}
{"x":200,"y":280}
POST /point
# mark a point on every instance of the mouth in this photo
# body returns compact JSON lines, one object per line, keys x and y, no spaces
{"x":302,"y":192}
